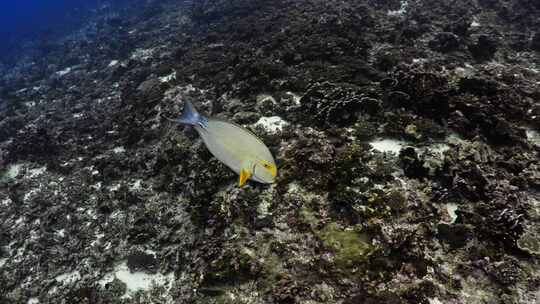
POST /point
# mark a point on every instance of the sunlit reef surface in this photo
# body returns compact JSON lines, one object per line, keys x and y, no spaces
{"x":406,"y":135}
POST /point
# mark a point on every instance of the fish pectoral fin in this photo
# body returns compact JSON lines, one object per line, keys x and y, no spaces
{"x":244,"y":176}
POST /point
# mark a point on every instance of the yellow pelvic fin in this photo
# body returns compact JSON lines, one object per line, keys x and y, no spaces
{"x":244,"y":176}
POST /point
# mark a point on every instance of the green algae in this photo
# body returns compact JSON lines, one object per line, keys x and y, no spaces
{"x":308,"y":216}
{"x":529,"y":242}
{"x":351,"y":247}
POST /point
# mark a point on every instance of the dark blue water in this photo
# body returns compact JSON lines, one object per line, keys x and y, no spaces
{"x":24,"y":20}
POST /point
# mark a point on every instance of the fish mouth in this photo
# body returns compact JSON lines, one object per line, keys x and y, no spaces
{"x":271,"y":167}
{"x":273,"y":170}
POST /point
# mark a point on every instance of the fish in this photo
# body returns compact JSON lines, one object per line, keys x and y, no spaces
{"x":235,"y":146}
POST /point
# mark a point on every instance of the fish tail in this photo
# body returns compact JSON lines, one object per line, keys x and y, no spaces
{"x":190,"y":116}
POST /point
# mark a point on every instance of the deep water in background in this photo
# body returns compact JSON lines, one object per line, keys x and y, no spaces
{"x":36,"y":21}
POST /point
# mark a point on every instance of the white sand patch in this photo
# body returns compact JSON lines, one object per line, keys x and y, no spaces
{"x":272,"y":124}
{"x":454,"y":138}
{"x":12,"y":171}
{"x":68,"y":278}
{"x":3,"y":262}
{"x":451,"y":208}
{"x":6,"y":202}
{"x":142,"y":54}
{"x":137,"y":280}
{"x":464,"y":72}
{"x":91,"y":213}
{"x":33,"y":301}
{"x":263,"y":97}
{"x":61,"y":233}
{"x":168,"y":78}
{"x":401,"y":11}
{"x":118,"y":150}
{"x":19,"y":220}
{"x":113,"y":63}
{"x":99,"y":237}
{"x":136,"y":185}
{"x":533,"y":136}
{"x":439,"y":148}
{"x":36,"y":172}
{"x":64,"y":71}
{"x":388,"y":145}
{"x":475,"y":22}
{"x":115,"y":187}
{"x":28,"y":195}
{"x":434,"y":301}
{"x":295,"y":97}
{"x":394,"y":145}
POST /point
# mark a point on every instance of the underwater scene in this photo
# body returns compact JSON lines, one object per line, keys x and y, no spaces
{"x":270,"y":152}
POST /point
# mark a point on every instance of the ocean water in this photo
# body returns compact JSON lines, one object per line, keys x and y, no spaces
{"x":34,"y":21}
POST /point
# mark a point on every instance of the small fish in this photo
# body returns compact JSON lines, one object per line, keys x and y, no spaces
{"x":233,"y":145}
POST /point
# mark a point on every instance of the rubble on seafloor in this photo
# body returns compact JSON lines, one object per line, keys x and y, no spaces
{"x":405,"y":133}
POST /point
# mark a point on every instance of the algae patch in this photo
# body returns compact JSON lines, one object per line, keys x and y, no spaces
{"x":529,"y":242}
{"x":350,"y":247}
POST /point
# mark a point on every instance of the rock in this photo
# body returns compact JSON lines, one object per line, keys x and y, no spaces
{"x":412,"y":165}
{"x":116,"y":288}
{"x":332,"y":104}
{"x":141,"y":261}
{"x":151,"y":90}
{"x":246,"y":117}
{"x":484,"y":49}
{"x":445,"y":42}
{"x":506,"y":272}
{"x":455,"y":235}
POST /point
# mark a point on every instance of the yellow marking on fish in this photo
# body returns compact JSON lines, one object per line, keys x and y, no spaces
{"x":244,"y":176}
{"x":270,"y":167}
